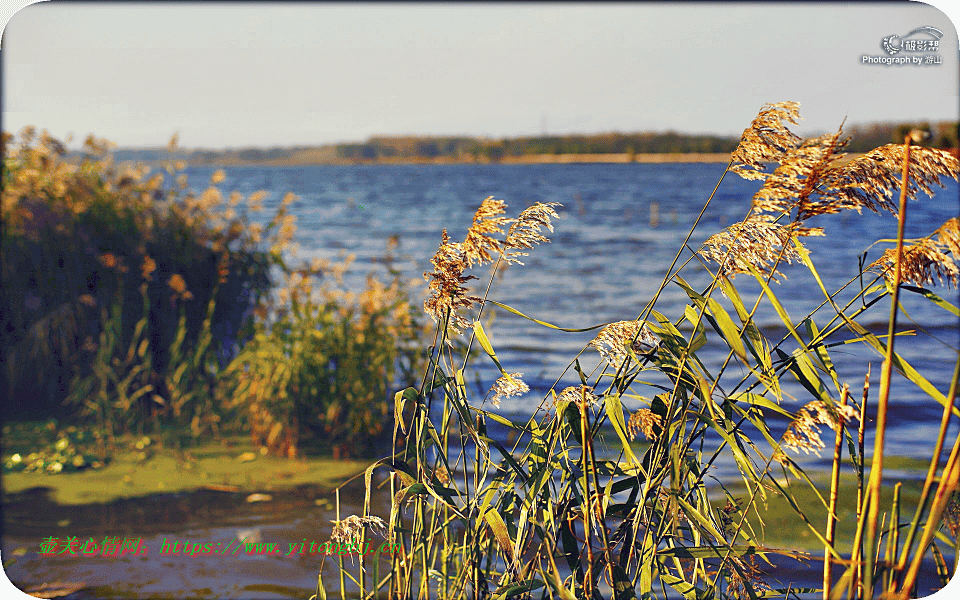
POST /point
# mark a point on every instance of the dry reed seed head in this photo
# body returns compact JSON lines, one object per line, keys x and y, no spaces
{"x":525,"y":231}
{"x":442,"y":474}
{"x":873,"y":180}
{"x":581,"y":395}
{"x":148,"y":267}
{"x":921,"y":264}
{"x":210,"y":199}
{"x":766,"y":140}
{"x":644,"y":421}
{"x":506,"y":386}
{"x":479,"y":243}
{"x":614,"y":339}
{"x":348,"y":530}
{"x":446,"y":285}
{"x":666,"y":499}
{"x":796,"y":182}
{"x":756,"y":242}
{"x":108,"y":260}
{"x":737,"y":584}
{"x":255,"y":201}
{"x":948,"y":236}
{"x":803,"y":433}
{"x":780,"y":457}
{"x":217,"y":177}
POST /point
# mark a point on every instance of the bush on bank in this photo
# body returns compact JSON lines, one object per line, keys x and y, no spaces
{"x":128,"y":301}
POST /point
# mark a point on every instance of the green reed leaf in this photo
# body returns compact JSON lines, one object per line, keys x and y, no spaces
{"x":821,"y":353}
{"x":515,"y":589}
{"x":485,"y":344}
{"x":507,"y":455}
{"x":622,"y":586}
{"x":544,"y":323}
{"x":777,"y":306}
{"x":400,"y":401}
{"x":500,"y":419}
{"x":721,"y":551}
{"x":903,"y":367}
{"x":705,"y":523}
{"x":571,"y":550}
{"x":499,"y":528}
{"x":686,"y":589}
{"x":802,"y":368}
{"x":615,"y":412}
{"x":758,"y":400}
{"x":932,"y":297}
{"x":718,"y":318}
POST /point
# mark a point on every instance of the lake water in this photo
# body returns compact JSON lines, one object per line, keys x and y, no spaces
{"x":604,"y":262}
{"x":606,"y":257}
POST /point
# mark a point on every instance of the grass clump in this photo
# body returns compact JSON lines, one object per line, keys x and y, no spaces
{"x":342,"y":350}
{"x":476,"y":517}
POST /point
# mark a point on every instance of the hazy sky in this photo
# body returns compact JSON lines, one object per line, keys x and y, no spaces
{"x":228,"y":75}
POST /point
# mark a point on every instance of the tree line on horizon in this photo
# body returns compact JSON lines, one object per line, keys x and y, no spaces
{"x":386,"y":148}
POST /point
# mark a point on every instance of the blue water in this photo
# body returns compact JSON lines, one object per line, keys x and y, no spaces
{"x":605,"y":260}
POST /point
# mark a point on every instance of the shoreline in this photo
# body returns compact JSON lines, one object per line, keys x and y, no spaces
{"x":527,"y":159}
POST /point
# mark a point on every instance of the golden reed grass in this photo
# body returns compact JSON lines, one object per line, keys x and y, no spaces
{"x":495,"y":521}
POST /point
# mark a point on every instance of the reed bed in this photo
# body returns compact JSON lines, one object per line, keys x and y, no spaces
{"x":134,"y":304}
{"x":473,"y":515}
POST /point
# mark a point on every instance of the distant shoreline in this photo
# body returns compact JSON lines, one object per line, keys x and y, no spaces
{"x":665,"y":157}
{"x":526,"y":159}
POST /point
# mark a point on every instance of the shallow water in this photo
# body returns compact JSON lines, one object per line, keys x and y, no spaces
{"x":221,"y":519}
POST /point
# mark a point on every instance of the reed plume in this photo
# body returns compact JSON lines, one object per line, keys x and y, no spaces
{"x":479,"y":243}
{"x":645,"y":421}
{"x":803,"y":433}
{"x":614,"y":339}
{"x":948,"y":235}
{"x":506,"y":386}
{"x":758,"y":242}
{"x":927,"y":261}
{"x":446,"y":284}
{"x":872,"y":180}
{"x":581,"y":395}
{"x":525,"y":231}
{"x":452,"y":258}
{"x":766,"y":140}
{"x":812,"y":179}
{"x":796,"y":183}
{"x":922,"y":263}
{"x":348,"y":530}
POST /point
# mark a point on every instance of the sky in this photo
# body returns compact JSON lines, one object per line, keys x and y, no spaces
{"x":264,"y":74}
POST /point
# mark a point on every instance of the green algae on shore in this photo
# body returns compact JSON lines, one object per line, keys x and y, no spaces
{"x":231,"y":464}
